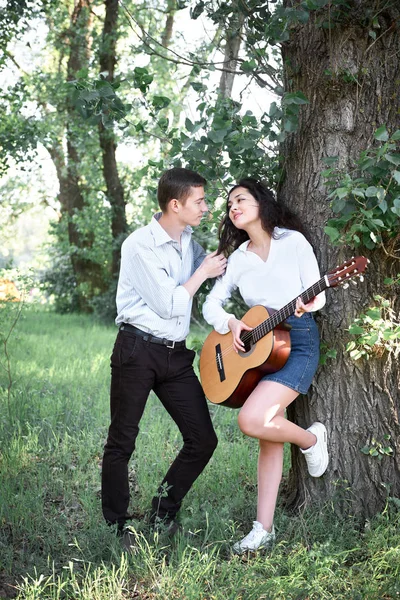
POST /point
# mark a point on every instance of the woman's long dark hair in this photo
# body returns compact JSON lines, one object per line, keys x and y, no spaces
{"x":272,"y":214}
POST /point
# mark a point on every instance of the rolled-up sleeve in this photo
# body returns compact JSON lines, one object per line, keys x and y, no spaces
{"x":151,"y":281}
{"x":213,"y":312}
{"x":309,"y":272}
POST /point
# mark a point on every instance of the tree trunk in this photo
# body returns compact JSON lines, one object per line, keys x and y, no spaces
{"x":357,"y":400}
{"x":87,"y":272}
{"x":115,"y":191}
{"x":233,"y":41}
{"x":169,"y":24}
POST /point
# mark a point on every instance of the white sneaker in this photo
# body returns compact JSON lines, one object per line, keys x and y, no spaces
{"x":317,"y":456}
{"x":257,"y":538}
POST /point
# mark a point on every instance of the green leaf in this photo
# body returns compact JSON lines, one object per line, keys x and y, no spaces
{"x":341,"y":192}
{"x":295,"y":98}
{"x":248,"y":66}
{"x":396,"y":175}
{"x":365,"y":450}
{"x":338,"y":205}
{"x":381,"y":134}
{"x":273,"y":109}
{"x":356,"y":330}
{"x":189,"y":125}
{"x":198,"y":87}
{"x":371,"y":191}
{"x":290,"y":125}
{"x":302,"y":15}
{"x":396,"y":135}
{"x":217,"y":136}
{"x":197,"y":10}
{"x":356,"y":354}
{"x":379,"y":223}
{"x":332,"y":232}
{"x":396,"y":207}
{"x":160,"y":102}
{"x":393,"y":158}
{"x":372,"y":339}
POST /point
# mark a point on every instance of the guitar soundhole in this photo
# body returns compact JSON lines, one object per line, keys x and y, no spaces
{"x":249,"y":344}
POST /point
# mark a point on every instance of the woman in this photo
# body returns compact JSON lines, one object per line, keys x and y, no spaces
{"x":272,"y":263}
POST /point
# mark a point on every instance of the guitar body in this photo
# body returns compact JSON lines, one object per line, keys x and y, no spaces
{"x":229,"y":377}
{"x":231,"y":381}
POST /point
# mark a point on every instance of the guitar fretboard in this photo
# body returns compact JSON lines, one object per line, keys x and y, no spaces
{"x":286,"y":311}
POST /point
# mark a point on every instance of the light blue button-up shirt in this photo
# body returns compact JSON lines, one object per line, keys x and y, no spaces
{"x":150,"y":292}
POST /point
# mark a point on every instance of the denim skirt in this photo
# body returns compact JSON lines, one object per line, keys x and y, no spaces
{"x":299,"y":370}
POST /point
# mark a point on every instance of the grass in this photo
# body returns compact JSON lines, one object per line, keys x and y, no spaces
{"x":55,"y":545}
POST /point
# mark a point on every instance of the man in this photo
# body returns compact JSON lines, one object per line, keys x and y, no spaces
{"x":161,"y":269}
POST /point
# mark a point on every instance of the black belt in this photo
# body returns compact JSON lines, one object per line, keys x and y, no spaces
{"x":151,"y":338}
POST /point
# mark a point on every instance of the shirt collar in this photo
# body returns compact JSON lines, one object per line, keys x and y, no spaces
{"x":243,"y":247}
{"x":159,"y":233}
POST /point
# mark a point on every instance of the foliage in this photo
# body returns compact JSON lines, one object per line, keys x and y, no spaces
{"x":378,"y":449}
{"x":18,"y":131}
{"x":376,"y":330}
{"x":14,"y":293}
{"x":367,"y":199}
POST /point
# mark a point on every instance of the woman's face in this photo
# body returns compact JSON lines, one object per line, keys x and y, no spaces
{"x":243,"y":208}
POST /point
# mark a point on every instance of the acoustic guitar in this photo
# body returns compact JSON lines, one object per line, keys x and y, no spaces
{"x":229,"y":377}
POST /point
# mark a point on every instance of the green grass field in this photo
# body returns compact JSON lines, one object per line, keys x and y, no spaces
{"x":55,"y":545}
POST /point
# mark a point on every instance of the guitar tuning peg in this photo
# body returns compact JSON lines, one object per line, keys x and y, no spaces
{"x":345,"y":286}
{"x":361,"y":277}
{"x":354,"y":282}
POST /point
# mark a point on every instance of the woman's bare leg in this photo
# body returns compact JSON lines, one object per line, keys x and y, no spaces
{"x":270,"y":462}
{"x":262,"y":417}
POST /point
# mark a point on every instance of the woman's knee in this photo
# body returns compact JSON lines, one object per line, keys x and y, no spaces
{"x":247,"y":423}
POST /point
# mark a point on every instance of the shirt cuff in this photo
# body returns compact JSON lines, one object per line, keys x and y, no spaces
{"x":223,"y":326}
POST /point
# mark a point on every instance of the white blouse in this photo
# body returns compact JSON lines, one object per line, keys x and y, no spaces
{"x":291,"y":268}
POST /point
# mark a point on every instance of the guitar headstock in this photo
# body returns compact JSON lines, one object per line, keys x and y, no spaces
{"x":354,"y":267}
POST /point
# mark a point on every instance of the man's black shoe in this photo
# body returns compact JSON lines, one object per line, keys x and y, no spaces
{"x":167,"y":528}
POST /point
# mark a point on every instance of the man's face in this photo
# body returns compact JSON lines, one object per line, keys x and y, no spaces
{"x":192,"y":211}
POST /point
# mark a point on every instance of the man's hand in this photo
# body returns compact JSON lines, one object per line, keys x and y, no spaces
{"x":213,"y":265}
{"x":237,"y":327}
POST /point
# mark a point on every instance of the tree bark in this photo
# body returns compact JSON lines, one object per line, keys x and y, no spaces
{"x":115,"y":191}
{"x":169,"y":23}
{"x":357,"y":400}
{"x":233,"y":41}
{"x":88,"y":273}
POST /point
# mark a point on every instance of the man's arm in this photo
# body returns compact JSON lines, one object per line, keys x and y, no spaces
{"x":212,"y":266}
{"x":146,"y":273}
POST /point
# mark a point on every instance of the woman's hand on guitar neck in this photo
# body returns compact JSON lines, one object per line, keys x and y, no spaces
{"x":301,"y":308}
{"x":236,"y":328}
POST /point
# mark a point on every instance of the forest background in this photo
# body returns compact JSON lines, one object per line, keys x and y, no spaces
{"x":97,"y":99}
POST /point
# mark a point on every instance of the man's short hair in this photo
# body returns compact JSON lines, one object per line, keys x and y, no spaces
{"x":176,"y":183}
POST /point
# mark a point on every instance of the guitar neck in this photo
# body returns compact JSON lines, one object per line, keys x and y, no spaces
{"x":286,"y":311}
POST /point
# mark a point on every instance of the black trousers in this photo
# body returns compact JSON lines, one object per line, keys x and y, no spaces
{"x":137,"y":367}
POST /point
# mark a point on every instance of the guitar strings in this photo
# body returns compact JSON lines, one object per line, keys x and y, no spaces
{"x":277,"y":317}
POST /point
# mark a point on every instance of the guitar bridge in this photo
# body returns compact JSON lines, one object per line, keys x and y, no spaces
{"x":220,"y":362}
